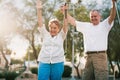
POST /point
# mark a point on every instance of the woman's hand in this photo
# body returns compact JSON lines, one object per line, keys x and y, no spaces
{"x":39,"y":4}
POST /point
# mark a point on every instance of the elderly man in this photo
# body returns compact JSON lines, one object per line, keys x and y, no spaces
{"x":95,"y":34}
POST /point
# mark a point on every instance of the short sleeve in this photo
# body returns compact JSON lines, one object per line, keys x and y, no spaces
{"x":106,"y":23}
{"x":81,"y":26}
{"x":63,"y":33}
{"x":42,"y":31}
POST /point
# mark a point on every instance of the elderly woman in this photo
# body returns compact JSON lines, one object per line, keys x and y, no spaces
{"x":51,"y":56}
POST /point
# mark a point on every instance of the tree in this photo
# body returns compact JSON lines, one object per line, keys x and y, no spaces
{"x":30,"y":53}
{"x":3,"y":54}
{"x":5,"y":31}
{"x":81,"y":14}
{"x":4,"y":50}
{"x":113,"y":40}
{"x":16,"y":61}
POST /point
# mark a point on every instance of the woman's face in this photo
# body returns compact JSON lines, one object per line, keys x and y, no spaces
{"x":53,"y":29}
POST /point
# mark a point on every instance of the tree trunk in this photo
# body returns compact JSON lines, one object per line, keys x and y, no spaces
{"x":109,"y":58}
{"x":34,"y":52}
{"x":33,"y":46}
{"x":118,"y":67}
{"x":3,"y":55}
{"x":77,"y":70}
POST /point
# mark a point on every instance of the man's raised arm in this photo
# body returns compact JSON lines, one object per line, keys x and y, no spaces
{"x":70,"y":19}
{"x":113,"y":12}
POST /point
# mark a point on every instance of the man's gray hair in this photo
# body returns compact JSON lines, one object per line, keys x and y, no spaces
{"x":93,"y":10}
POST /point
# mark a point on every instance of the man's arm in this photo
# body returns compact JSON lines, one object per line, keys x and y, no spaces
{"x":70,"y":19}
{"x":112,"y":13}
{"x":39,"y":12}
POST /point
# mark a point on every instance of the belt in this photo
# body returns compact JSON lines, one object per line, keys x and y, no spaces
{"x":92,"y":52}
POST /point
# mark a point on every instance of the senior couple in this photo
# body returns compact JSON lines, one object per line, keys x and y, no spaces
{"x":95,"y":34}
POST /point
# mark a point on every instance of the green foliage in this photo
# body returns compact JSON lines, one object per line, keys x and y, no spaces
{"x":2,"y":75}
{"x":8,"y":75}
{"x":68,"y":42}
{"x":16,"y":61}
{"x":11,"y":75}
{"x":68,"y":1}
{"x":34,"y":70}
{"x":67,"y":71}
{"x":114,"y":40}
{"x":81,"y":14}
{"x":59,"y":15}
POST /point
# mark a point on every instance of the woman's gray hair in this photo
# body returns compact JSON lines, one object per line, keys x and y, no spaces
{"x":56,"y":21}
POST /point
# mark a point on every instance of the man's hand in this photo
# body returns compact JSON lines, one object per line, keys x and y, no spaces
{"x":114,"y":0}
{"x":63,"y":8}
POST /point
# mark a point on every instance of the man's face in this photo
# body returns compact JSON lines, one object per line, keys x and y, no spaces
{"x":95,"y":17}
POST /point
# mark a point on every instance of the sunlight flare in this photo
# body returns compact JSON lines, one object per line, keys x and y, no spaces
{"x":7,"y":22}
{"x":19,"y":47}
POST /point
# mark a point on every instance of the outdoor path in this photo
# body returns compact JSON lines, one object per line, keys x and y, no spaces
{"x":81,"y":79}
{"x":67,"y":79}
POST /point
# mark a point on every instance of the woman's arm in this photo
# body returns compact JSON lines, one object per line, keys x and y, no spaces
{"x":39,"y":12}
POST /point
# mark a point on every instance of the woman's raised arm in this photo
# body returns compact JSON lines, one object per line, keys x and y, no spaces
{"x":39,"y":12}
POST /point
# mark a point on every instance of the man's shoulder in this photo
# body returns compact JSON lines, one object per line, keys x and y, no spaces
{"x":104,"y":20}
{"x":81,"y":22}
